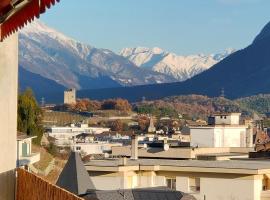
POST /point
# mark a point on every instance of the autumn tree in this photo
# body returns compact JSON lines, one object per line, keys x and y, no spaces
{"x":116,"y":125}
{"x":116,"y":104}
{"x":108,"y":104}
{"x":29,"y":115}
{"x":143,"y":122}
{"x":122,"y":105}
{"x":93,"y":105}
{"x":81,"y":105}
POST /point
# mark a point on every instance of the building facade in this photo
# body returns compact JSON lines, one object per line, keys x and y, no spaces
{"x":25,"y":156}
{"x":205,"y":180}
{"x":223,"y":130}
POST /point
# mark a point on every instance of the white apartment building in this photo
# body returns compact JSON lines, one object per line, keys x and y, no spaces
{"x":64,"y":135}
{"x":205,"y":180}
{"x":94,"y":148}
{"x":25,"y":156}
{"x":223,"y":130}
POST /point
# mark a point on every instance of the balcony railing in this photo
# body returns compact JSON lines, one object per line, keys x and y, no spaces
{"x":29,"y":159}
{"x":32,"y":187}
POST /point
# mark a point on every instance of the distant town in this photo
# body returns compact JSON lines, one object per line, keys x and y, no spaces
{"x":131,"y":148}
{"x":179,"y":119}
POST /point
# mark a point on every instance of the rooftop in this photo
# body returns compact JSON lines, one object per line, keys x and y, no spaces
{"x":159,"y":193}
{"x":22,"y":136}
{"x":228,"y":166}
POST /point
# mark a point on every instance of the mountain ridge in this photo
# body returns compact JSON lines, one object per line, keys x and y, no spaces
{"x":55,"y":56}
{"x":178,"y":66}
{"x":241,"y":74}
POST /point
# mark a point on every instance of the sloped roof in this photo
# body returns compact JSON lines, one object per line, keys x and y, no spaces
{"x":159,"y":193}
{"x":74,"y":176}
{"x":16,"y":14}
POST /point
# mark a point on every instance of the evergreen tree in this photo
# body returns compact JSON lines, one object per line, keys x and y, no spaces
{"x":29,"y":115}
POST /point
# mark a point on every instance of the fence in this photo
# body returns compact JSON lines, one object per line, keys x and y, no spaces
{"x":32,"y":187}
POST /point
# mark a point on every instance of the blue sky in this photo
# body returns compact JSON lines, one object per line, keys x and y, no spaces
{"x":180,"y":26}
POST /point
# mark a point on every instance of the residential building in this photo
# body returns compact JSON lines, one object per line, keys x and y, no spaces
{"x":87,"y":148}
{"x":64,"y":136}
{"x":25,"y":156}
{"x":70,"y":96}
{"x":83,"y":186}
{"x":223,"y":130}
{"x":245,"y":180}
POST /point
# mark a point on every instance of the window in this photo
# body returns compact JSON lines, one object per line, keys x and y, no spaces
{"x":171,"y":183}
{"x":194,"y":184}
{"x":78,"y":148}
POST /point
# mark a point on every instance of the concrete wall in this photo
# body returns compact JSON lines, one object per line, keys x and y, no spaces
{"x":202,"y":137}
{"x":8,"y":115}
{"x":218,"y":136}
{"x":127,"y":182}
{"x":230,"y":189}
{"x":227,"y":119}
{"x":222,"y":188}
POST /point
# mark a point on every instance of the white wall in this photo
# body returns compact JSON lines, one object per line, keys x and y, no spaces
{"x":218,"y":136}
{"x":8,"y":115}
{"x":230,"y":189}
{"x":203,"y":137}
{"x":128,"y":182}
{"x":182,"y":184}
{"x":94,"y":148}
{"x":227,"y":119}
{"x":222,"y":188}
{"x":235,"y":137}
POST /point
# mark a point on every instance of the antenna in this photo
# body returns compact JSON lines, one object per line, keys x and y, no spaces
{"x":222,"y":93}
{"x":42,"y":102}
{"x":143,"y":99}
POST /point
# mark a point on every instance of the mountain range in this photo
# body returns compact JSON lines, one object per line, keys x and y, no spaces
{"x":73,"y":64}
{"x":243,"y":73}
{"x":178,"y":66}
{"x":48,"y":54}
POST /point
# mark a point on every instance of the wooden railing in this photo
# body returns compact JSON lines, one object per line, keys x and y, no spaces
{"x":32,"y":187}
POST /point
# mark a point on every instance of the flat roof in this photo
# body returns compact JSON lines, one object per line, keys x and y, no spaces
{"x":224,"y":166}
{"x":226,"y":114}
{"x":219,"y":126}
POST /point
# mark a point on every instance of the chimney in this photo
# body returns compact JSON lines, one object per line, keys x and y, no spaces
{"x":123,"y":161}
{"x":134,"y":147}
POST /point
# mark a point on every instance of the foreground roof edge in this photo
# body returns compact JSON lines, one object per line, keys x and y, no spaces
{"x":17,"y":14}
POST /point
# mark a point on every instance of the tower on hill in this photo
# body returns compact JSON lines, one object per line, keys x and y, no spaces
{"x":70,"y":96}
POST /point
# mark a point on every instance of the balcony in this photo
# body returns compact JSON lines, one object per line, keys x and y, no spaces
{"x":29,"y":159}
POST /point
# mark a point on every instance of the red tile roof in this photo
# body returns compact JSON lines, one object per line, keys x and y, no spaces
{"x":15,"y":16}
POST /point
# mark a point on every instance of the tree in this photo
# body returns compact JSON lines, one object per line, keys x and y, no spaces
{"x":116,"y":104}
{"x":30,"y":116}
{"x":94,"y":105}
{"x":143,"y":122}
{"x":122,"y":105}
{"x":117,"y":125}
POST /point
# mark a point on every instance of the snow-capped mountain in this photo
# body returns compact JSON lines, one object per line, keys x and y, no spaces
{"x":177,"y":66}
{"x":53,"y":55}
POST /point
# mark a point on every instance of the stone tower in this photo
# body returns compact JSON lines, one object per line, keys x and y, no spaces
{"x":70,"y":96}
